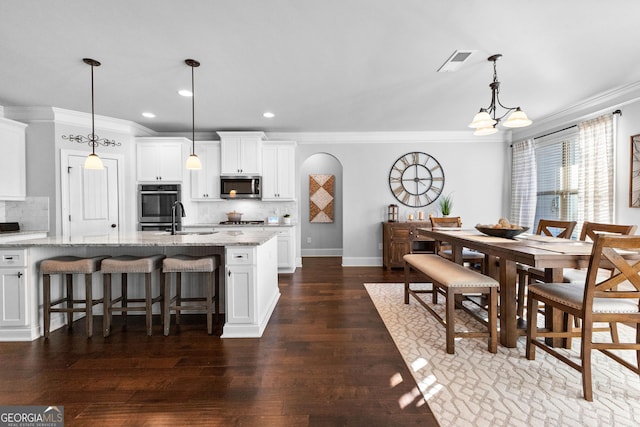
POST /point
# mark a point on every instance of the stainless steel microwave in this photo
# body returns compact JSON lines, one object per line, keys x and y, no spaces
{"x":240,"y":187}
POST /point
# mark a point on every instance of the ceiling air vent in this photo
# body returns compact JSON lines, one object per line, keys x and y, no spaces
{"x":455,"y":61}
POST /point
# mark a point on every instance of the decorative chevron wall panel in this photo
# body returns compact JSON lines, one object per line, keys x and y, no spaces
{"x":321,"y":198}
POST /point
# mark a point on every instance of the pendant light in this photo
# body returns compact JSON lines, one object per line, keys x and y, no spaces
{"x":486,"y":120}
{"x":92,"y":161}
{"x":193,"y":162}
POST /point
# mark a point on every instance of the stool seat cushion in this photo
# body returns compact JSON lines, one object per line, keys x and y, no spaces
{"x":188,"y":263}
{"x":132,"y":264}
{"x":71,"y":265}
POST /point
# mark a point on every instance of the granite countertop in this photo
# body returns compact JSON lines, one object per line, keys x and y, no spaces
{"x":12,"y":236}
{"x":151,"y":238}
{"x":218,"y":225}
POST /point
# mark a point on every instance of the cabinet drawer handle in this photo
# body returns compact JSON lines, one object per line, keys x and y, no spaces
{"x":19,"y":275}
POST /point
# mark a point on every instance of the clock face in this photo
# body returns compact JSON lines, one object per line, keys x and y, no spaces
{"x":416,"y":179}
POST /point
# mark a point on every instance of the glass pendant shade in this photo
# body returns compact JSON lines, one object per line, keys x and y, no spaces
{"x":517,"y":119}
{"x":488,"y":130}
{"x":193,"y":162}
{"x":93,"y":162}
{"x":482,"y":120}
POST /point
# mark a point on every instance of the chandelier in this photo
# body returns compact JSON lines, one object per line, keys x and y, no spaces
{"x":92,"y":161}
{"x":485,"y":121}
{"x":193,"y":162}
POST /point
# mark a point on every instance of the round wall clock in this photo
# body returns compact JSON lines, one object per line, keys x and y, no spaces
{"x":416,"y":179}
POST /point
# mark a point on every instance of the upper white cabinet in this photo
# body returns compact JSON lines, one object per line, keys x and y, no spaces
{"x":160,"y":159}
{"x":241,"y":153}
{"x":13,"y":175}
{"x":278,"y":169}
{"x":205,"y":183}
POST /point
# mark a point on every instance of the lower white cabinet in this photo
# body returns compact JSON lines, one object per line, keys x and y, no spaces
{"x":251,"y":277}
{"x":13,"y":288}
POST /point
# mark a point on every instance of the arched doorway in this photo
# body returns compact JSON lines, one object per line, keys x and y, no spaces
{"x":319,"y":239}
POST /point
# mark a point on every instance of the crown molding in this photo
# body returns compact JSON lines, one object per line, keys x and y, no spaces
{"x":76,"y":118}
{"x":589,"y":108}
{"x":387,"y":137}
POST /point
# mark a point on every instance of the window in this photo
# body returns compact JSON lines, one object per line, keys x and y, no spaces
{"x":574,"y":172}
{"x":557,"y":160}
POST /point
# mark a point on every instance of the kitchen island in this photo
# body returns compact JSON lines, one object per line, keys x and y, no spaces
{"x":250,"y":276}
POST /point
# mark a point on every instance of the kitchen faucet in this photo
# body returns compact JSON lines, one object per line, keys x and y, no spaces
{"x":173,"y":215}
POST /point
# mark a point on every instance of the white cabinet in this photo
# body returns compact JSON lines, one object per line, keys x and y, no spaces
{"x":278,"y":169}
{"x":13,"y":175}
{"x":251,"y":286}
{"x":205,"y":183}
{"x":286,"y":250}
{"x":13,"y":288}
{"x":160,"y":159}
{"x":241,"y":153}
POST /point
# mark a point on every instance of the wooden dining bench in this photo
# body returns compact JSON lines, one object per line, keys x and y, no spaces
{"x":450,"y":279}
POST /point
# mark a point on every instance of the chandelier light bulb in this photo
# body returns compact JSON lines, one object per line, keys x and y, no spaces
{"x":489,"y":130}
{"x":482,"y":120}
{"x":517,"y":119}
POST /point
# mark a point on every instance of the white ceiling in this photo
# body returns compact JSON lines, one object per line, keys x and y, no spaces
{"x":320,"y":66}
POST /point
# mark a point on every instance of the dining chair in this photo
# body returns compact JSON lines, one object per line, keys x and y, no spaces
{"x":590,"y":230}
{"x":469,"y":257}
{"x":612,"y":300}
{"x":546,"y":227}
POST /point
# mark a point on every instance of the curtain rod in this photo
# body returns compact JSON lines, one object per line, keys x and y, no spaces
{"x":567,"y":128}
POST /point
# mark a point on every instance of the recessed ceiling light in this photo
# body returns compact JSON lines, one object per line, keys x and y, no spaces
{"x":185,"y":92}
{"x":148,"y":115}
{"x":269,"y":115}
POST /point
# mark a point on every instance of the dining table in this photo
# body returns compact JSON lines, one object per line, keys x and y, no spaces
{"x":502,"y":255}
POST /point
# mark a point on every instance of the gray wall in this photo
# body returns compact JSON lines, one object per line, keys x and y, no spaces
{"x":320,"y":239}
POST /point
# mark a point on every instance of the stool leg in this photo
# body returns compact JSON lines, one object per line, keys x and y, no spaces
{"x":161,"y":296}
{"x":217,"y":295}
{"x":70,"y":298}
{"x":46,"y":296}
{"x":210,"y":303}
{"x":125,"y":296}
{"x":167,"y":303}
{"x":147,"y":303}
{"x":106,"y":304}
{"x":89,"y":304}
{"x":178,"y":296}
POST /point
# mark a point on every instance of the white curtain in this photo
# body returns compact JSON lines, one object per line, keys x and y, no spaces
{"x":523,"y":183}
{"x":595,"y":183}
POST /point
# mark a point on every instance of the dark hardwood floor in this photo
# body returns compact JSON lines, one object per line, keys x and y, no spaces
{"x":325,"y":359}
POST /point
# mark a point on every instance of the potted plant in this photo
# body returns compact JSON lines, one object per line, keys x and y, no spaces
{"x":286,"y":218}
{"x":446,"y":204}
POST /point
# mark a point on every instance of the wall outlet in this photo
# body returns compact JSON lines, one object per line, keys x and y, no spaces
{"x":308,"y":239}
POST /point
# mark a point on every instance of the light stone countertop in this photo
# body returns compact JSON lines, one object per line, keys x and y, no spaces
{"x":218,"y":225}
{"x":150,"y":238}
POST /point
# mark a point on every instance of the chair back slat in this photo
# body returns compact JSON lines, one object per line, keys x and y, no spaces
{"x":447,"y":221}
{"x":621,"y":255}
{"x":556,"y":228}
{"x":591,"y":229}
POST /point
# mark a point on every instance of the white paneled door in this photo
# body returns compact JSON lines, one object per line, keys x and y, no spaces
{"x":92,"y":197}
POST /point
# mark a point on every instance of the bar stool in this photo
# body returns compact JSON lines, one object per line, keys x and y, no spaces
{"x":191,"y":264}
{"x":124,"y":265}
{"x":68,"y":266}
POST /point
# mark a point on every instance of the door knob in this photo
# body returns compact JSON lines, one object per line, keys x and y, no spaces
{"x":113,"y":225}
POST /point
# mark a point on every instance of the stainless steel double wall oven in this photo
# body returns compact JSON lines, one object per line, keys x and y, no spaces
{"x":155,"y":202}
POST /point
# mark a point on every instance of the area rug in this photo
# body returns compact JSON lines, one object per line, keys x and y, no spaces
{"x":478,"y":388}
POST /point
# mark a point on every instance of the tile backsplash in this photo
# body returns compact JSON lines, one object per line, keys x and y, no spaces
{"x":32,"y":214}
